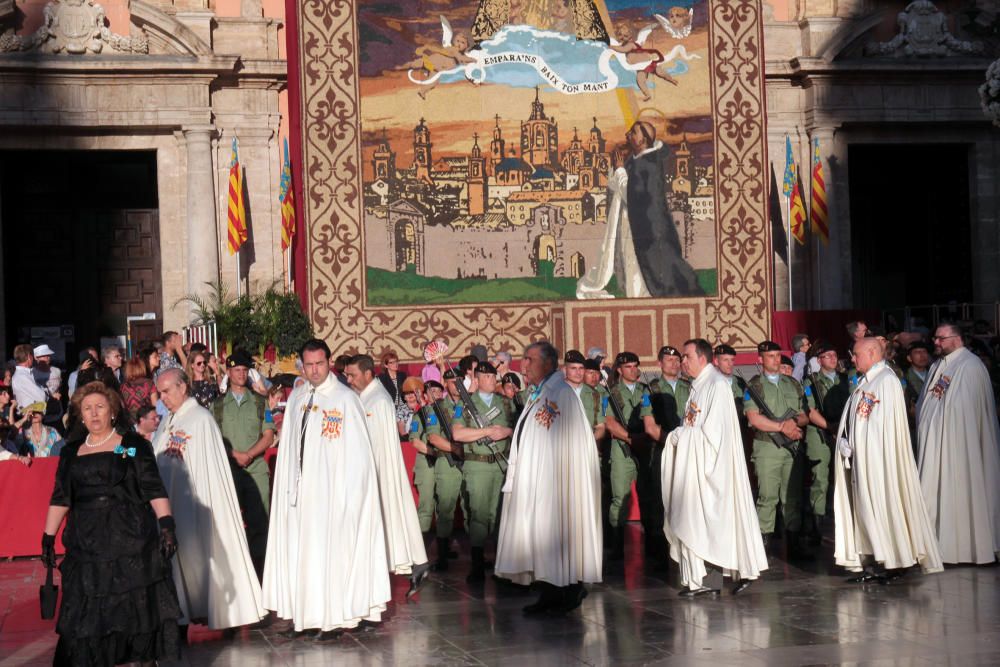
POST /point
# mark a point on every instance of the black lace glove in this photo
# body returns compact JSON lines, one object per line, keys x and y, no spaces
{"x":48,"y":550}
{"x":168,"y":538}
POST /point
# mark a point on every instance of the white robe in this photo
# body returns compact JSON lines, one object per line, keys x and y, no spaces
{"x":326,"y":563}
{"x":403,"y":539}
{"x":214,"y":575}
{"x":550,"y":528}
{"x":709,"y":512}
{"x":877,"y":502}
{"x":959,"y":460}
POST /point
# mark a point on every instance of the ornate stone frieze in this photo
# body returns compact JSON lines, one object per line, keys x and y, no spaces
{"x":989,"y":93}
{"x":923,"y":33}
{"x":73,"y":26}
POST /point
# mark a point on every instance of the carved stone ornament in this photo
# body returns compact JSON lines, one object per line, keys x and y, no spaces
{"x":923,"y":33}
{"x":989,"y":93}
{"x":73,"y":26}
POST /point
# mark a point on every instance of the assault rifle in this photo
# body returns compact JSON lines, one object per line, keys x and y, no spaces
{"x":616,"y":408}
{"x":779,"y":439}
{"x":457,"y":453}
{"x":479,"y":421}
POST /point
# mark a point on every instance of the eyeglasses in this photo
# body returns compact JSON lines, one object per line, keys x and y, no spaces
{"x":945,"y":337}
{"x":199,"y":363}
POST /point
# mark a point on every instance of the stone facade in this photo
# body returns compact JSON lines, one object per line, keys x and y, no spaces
{"x":848,"y":72}
{"x":180,"y":77}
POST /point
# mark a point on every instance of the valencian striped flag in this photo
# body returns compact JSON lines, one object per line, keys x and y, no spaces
{"x":798,"y":216}
{"x":817,"y":207}
{"x":788,"y":180}
{"x":287,"y":201}
{"x":237,"y":209}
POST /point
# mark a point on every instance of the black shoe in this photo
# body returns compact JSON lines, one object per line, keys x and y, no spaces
{"x":890,"y":576}
{"x":367,"y":626}
{"x":572,"y":597}
{"x":816,"y":538}
{"x":543,"y":604}
{"x":291,"y":633}
{"x":417,"y":579}
{"x":741,"y":586}
{"x":698,"y":592}
{"x":867,"y":577}
{"x":477,"y":573}
{"x":795,"y":550}
{"x":441,"y":565}
{"x":329,"y":635}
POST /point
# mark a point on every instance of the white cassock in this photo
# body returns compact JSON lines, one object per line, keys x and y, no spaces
{"x":877,"y":502}
{"x":403,"y":539}
{"x":550,"y":528}
{"x":709,"y":512}
{"x":214,"y":575}
{"x":326,"y":565}
{"x":959,"y":461}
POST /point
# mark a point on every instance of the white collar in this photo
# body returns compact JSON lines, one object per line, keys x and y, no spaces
{"x":657,"y":145}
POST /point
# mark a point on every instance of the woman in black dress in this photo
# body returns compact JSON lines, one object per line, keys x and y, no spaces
{"x":119,"y":603}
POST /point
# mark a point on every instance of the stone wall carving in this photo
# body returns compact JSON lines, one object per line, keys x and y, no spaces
{"x":989,"y":93}
{"x":923,"y":32}
{"x":73,"y":26}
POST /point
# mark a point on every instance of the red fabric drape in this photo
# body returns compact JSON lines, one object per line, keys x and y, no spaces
{"x":298,"y":249}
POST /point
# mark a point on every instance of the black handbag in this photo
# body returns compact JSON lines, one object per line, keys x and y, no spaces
{"x":48,"y":594}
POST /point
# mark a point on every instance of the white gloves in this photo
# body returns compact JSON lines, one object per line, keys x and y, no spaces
{"x":845,"y":448}
{"x":674,"y":437}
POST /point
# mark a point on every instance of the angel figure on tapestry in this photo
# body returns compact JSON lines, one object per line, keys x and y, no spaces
{"x":433,"y":60}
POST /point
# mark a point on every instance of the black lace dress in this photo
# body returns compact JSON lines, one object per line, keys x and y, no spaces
{"x":119,"y":603}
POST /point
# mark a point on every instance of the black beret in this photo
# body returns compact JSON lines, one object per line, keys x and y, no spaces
{"x":592,"y":364}
{"x":626,"y":358}
{"x":786,"y":360}
{"x":449,"y":374}
{"x":919,"y":345}
{"x":433,"y":384}
{"x":513,"y":379}
{"x":724,"y":349}
{"x":668,"y":350}
{"x":821,"y":347}
{"x":768,"y":346}
{"x":486,"y":367}
{"x":239,"y":358}
{"x":574,"y":357}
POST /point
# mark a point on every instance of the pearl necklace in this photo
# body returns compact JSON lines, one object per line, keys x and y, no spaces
{"x":86,"y":443}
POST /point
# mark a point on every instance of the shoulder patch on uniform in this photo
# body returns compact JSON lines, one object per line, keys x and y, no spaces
{"x":808,"y":390}
{"x":414,"y":425}
{"x":604,"y":403}
{"x":432,"y":420}
{"x":458,"y":411}
{"x":645,"y":401}
{"x":746,"y":395}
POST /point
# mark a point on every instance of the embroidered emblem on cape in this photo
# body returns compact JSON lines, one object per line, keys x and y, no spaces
{"x":176,"y":444}
{"x":691,"y":414}
{"x":941,"y":386}
{"x":866,"y":404}
{"x":333,"y":424}
{"x":547,"y":413}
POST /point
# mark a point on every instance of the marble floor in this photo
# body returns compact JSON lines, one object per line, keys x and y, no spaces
{"x":798,"y":614}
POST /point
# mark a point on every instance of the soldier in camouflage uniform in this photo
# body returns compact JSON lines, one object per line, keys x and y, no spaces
{"x":573,"y":371}
{"x":481,"y":471}
{"x":919,"y":357}
{"x":826,"y":395}
{"x":447,"y":474}
{"x":669,"y":394}
{"x":630,"y":448}
{"x":779,"y":470}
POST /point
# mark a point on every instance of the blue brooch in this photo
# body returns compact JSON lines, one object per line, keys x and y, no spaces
{"x":125,"y":452}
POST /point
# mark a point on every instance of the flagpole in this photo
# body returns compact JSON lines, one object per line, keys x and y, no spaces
{"x":791,"y":248}
{"x":239,"y":283}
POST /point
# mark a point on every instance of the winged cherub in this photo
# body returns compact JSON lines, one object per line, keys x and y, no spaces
{"x":633,"y":45}
{"x":433,"y":60}
{"x":677,"y":22}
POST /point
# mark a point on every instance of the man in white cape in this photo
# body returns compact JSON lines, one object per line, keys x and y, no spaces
{"x":959,"y":460}
{"x":403,"y":539}
{"x":710,"y":514}
{"x":882,"y":526}
{"x":214,"y":574}
{"x":550,"y":529}
{"x":326,"y":564}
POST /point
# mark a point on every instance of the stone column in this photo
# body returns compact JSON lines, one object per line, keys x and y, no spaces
{"x":203,"y":241}
{"x":832,"y":266}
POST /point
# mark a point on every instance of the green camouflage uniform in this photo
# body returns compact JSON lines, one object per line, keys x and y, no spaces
{"x":779,"y":474}
{"x":447,"y":478}
{"x":480,"y":472}
{"x":635,"y":404}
